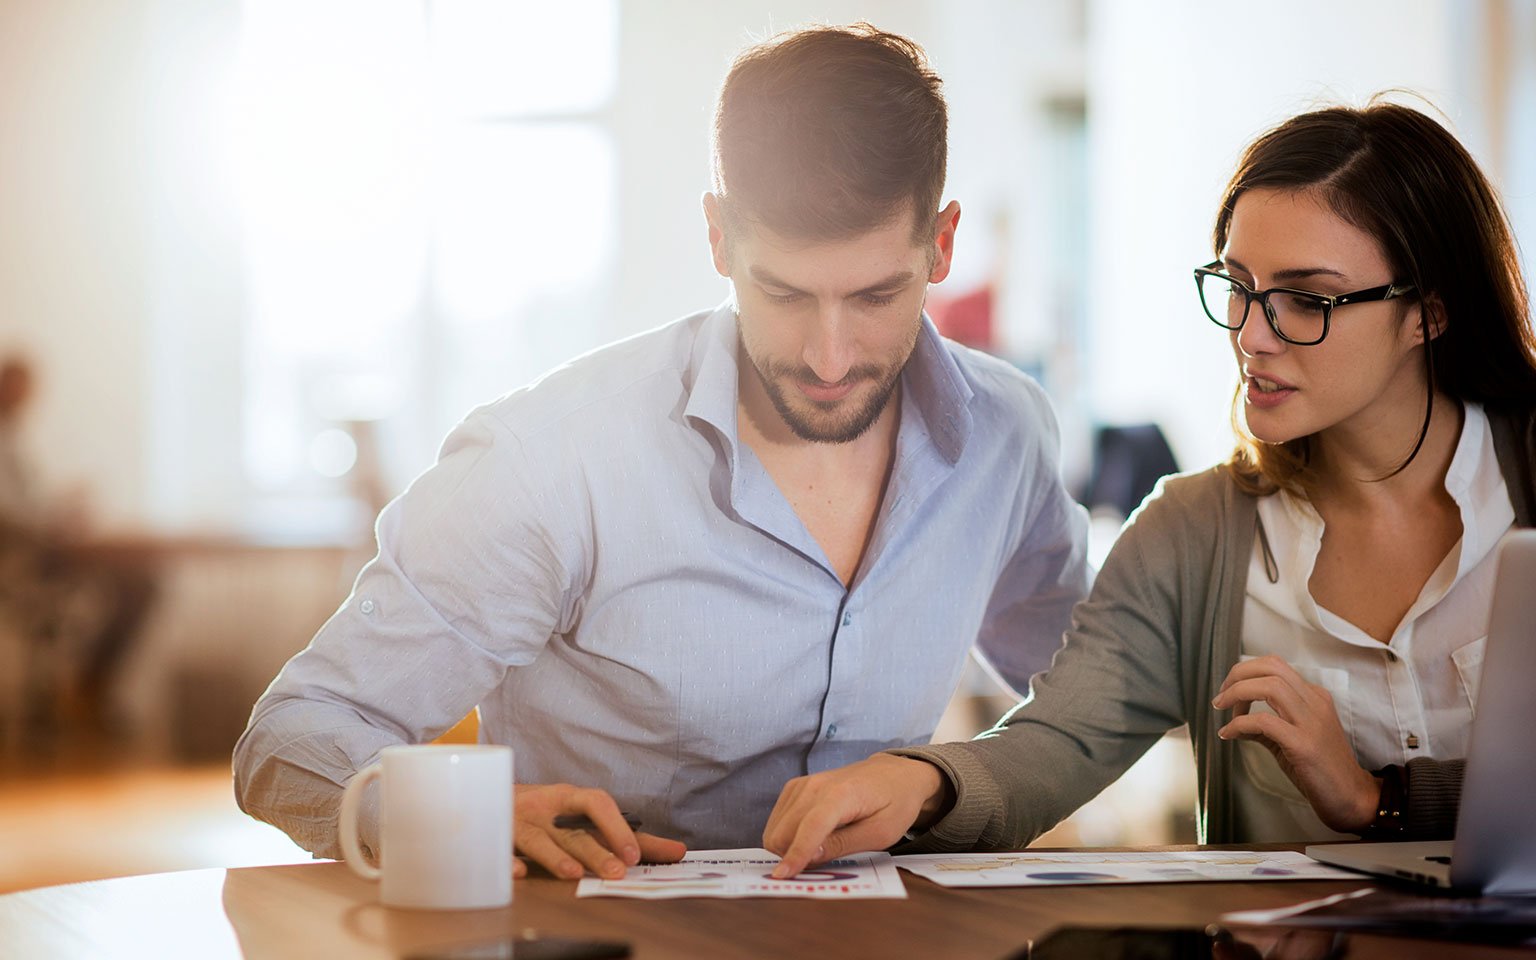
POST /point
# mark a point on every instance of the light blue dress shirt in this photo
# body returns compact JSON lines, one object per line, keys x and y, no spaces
{"x":602,"y":566}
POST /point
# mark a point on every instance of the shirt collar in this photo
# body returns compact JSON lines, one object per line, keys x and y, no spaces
{"x":1476,"y":484}
{"x":712,"y":374}
{"x":932,"y":377}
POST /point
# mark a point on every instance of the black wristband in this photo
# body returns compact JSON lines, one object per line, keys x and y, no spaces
{"x":1391,"y":806}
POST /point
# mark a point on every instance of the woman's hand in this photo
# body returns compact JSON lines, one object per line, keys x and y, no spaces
{"x":1305,"y":736}
{"x":864,"y":806}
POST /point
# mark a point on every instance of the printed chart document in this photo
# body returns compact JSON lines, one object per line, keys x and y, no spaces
{"x":1054,"y":869}
{"x":749,"y":873}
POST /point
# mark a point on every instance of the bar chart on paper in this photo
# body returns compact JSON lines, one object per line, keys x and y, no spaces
{"x":735,"y":874}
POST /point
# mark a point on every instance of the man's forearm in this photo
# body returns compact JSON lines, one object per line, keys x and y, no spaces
{"x":293,"y":762}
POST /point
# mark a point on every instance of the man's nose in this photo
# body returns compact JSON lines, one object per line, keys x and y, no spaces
{"x":828,"y":351}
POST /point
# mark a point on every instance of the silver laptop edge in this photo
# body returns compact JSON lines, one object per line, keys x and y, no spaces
{"x":1495,"y":846}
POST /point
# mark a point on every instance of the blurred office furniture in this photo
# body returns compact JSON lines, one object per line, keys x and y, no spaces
{"x":968,"y":318}
{"x":228,"y":613}
{"x":1127,"y":463}
{"x":233,"y":612}
{"x":68,"y":616}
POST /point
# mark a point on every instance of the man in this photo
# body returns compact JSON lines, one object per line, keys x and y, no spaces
{"x":750,"y":544}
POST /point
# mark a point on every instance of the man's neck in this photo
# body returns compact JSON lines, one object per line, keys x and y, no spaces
{"x":835,"y":488}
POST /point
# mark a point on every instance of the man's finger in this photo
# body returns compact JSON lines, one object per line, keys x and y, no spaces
{"x":541,"y":848}
{"x":591,"y":853}
{"x":654,"y":849}
{"x":519,"y":868}
{"x":604,"y":813}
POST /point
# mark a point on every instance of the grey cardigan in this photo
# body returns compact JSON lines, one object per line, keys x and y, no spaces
{"x":1143,"y":655}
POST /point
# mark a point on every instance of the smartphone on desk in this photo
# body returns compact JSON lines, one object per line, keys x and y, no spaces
{"x":527,"y":948}
{"x":1176,"y":943}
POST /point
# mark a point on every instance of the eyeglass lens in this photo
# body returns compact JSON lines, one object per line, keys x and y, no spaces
{"x":1298,"y":316}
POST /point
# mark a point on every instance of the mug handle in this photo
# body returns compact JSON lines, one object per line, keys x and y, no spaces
{"x":351,"y":799}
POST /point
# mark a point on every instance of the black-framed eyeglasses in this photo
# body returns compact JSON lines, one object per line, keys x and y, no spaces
{"x":1297,"y":316}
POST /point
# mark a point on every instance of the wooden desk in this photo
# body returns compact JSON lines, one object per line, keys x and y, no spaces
{"x":320,"y":910}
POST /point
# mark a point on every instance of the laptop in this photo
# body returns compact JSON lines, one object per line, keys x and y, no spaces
{"x":1495,"y":847}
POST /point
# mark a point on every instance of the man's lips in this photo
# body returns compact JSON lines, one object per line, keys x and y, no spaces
{"x":825,"y":393}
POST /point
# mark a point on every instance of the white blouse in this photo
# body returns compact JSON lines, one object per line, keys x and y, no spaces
{"x":1411,"y":697}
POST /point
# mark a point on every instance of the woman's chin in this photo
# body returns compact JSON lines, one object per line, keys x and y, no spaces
{"x":1267,"y":430}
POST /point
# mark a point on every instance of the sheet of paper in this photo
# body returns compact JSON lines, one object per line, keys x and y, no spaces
{"x":748,"y":873}
{"x":1054,"y":869}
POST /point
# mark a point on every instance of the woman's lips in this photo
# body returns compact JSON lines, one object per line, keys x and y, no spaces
{"x":1265,"y":393}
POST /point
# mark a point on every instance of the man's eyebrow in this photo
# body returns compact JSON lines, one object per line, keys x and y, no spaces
{"x":766,"y":277}
{"x":899,"y":279}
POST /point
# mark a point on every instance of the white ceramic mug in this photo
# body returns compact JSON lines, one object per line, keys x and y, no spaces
{"x":445,"y":826}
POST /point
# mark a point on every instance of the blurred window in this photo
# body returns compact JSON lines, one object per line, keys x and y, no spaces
{"x":427,"y":200}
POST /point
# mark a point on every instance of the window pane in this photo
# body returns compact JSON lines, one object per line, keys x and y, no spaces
{"x":501,"y":58}
{"x":523,"y":241}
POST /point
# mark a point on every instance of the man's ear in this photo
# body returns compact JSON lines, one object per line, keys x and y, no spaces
{"x":719,"y":247}
{"x":944,"y":241}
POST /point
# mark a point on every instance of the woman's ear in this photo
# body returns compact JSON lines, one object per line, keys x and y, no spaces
{"x":1432,"y":316}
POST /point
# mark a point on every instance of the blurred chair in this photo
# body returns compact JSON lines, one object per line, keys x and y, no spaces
{"x":465,"y":731}
{"x":1127,"y":463}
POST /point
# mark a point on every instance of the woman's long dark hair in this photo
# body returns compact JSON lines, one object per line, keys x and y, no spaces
{"x":1404,"y":179}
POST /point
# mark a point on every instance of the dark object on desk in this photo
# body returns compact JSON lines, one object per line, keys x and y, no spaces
{"x":578,"y":821}
{"x":1127,"y":463}
{"x":1167,"y":943}
{"x":528,"y":948}
{"x":1506,"y":921}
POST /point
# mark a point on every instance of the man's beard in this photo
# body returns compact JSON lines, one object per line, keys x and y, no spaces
{"x":829,"y":428}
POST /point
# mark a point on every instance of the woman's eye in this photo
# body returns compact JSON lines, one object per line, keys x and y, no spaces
{"x":1300,"y":303}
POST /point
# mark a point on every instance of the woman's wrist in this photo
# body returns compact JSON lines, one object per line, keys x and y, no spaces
{"x":1387,"y":819}
{"x":940,"y":799}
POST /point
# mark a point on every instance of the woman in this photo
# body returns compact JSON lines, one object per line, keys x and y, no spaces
{"x":1313,"y":607}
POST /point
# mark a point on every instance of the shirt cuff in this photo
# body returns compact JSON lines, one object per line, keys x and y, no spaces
{"x":977,"y":800}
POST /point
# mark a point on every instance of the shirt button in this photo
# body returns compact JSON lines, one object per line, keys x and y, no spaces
{"x":832,"y":731}
{"x":366,"y":606}
{"x":847,"y":618}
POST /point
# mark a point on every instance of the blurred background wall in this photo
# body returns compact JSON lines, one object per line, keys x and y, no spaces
{"x":260,"y":256}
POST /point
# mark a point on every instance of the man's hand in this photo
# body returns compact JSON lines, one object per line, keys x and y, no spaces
{"x":1305,"y":736}
{"x":565,"y":853}
{"x":868,"y":805}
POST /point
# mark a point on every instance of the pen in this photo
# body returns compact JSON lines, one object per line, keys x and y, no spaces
{"x":580,"y":821}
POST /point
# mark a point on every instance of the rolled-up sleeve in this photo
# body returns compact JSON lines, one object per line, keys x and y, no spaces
{"x":479,"y":562}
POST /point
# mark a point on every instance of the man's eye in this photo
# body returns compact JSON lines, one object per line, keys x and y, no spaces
{"x":878,"y":300}
{"x":782,"y":297}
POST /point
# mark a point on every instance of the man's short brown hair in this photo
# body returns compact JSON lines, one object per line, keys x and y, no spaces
{"x":829,"y":132}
